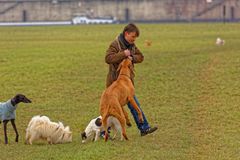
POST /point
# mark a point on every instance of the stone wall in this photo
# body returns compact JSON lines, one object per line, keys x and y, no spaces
{"x":132,"y":10}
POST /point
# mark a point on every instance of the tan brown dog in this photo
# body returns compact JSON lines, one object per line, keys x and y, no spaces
{"x":116,"y":96}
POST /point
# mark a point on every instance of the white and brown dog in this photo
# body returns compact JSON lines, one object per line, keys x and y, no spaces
{"x":94,"y":128}
{"x":40,"y":127}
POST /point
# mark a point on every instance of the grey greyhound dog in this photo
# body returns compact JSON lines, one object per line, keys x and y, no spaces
{"x":8,"y":113}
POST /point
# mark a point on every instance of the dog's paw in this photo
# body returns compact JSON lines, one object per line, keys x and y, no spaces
{"x":129,"y":124}
{"x":17,"y":137}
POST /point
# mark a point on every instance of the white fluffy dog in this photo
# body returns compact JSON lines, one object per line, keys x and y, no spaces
{"x":40,"y":127}
{"x":94,"y":128}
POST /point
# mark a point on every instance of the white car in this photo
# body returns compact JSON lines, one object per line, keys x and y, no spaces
{"x":86,"y":20}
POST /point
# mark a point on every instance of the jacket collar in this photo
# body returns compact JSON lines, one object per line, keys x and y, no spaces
{"x":124,"y":42}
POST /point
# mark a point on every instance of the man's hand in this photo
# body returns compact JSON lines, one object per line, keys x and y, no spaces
{"x":130,"y":57}
{"x":127,"y":52}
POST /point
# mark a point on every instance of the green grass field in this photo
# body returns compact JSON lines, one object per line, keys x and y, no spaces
{"x":187,"y":86}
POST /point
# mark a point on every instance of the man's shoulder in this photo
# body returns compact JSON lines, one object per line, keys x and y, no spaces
{"x":115,"y":42}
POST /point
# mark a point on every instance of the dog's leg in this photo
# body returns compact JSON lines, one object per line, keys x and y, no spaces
{"x":135,"y":106}
{"x":127,"y":118}
{"x":124,"y":134}
{"x":31,"y":139}
{"x":27,"y":138}
{"x":104,"y":123}
{"x":97,"y":134}
{"x":49,"y":139}
{"x":94,"y":136}
{"x":15,"y":129}
{"x":114,"y":128}
{"x":33,"y":136}
{"x":123,"y":125}
{"x":122,"y":121}
{"x":5,"y":130}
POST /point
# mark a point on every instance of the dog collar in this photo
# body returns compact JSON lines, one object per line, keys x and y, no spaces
{"x":125,"y":75}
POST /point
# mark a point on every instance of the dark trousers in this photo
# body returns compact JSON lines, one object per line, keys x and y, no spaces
{"x":144,"y":126}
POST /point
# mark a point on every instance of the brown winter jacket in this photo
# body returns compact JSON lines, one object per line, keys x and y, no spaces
{"x":115,"y":55}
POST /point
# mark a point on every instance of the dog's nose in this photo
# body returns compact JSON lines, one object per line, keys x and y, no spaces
{"x":28,"y":101}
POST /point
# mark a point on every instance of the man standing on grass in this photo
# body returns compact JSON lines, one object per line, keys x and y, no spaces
{"x":122,"y":47}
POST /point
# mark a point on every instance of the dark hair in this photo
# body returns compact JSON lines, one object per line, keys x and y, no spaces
{"x":131,"y":28}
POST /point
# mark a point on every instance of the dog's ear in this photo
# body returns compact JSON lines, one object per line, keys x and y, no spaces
{"x":98,"y":122}
{"x":67,"y":129}
{"x":119,"y":67}
{"x":83,"y":135}
{"x":130,"y":66}
{"x":61,"y":125}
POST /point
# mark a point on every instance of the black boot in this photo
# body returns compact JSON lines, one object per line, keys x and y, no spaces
{"x":148,"y":131}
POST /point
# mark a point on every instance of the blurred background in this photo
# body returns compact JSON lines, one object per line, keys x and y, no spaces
{"x":122,"y":11}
